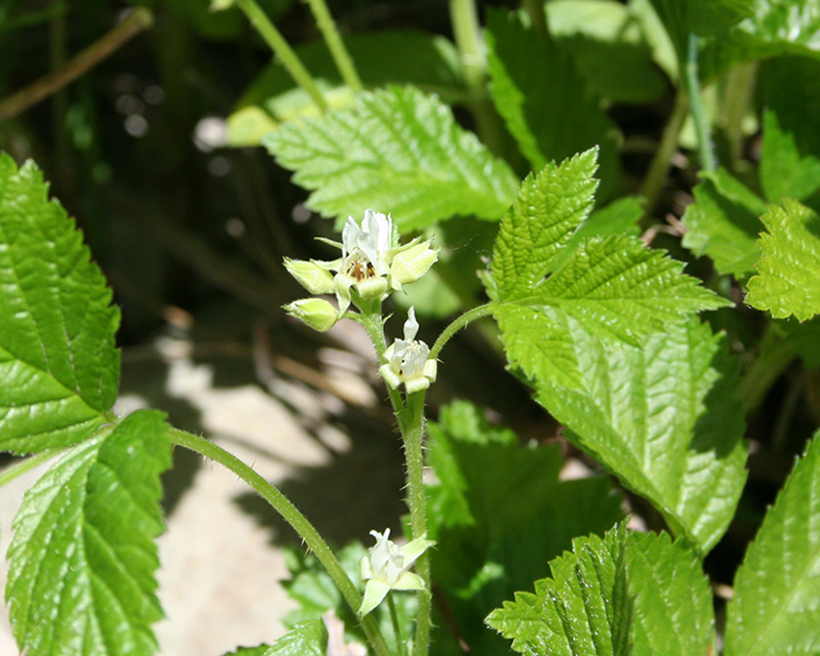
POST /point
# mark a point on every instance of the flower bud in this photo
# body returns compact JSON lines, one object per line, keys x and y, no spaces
{"x":315,"y":312}
{"x":412,"y":263}
{"x":314,"y":278}
{"x":372,"y":288}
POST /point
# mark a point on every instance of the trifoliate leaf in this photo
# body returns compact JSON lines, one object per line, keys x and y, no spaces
{"x":583,"y":610}
{"x":58,"y":360}
{"x":81,"y":581}
{"x":788,"y":280}
{"x":664,"y":418}
{"x":543,"y":98}
{"x":305,"y":639}
{"x":549,"y":207}
{"x":499,"y":515}
{"x":397,"y":151}
{"x":637,"y":594}
{"x":723,"y":223}
{"x":774,"y":610}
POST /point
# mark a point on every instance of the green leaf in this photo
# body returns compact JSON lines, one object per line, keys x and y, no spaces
{"x":789,"y":270}
{"x":672,"y":612}
{"x":499,"y":514}
{"x":398,"y":151}
{"x":305,"y":639}
{"x":723,"y":223}
{"x":549,"y":207}
{"x":637,"y":594}
{"x":774,"y":609}
{"x":583,"y":610}
{"x":784,"y":172}
{"x":543,"y":98}
{"x":58,"y":360}
{"x":664,"y":418}
{"x":609,"y":48}
{"x":81,"y":580}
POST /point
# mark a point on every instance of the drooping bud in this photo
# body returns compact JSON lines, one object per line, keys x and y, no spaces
{"x":315,"y":312}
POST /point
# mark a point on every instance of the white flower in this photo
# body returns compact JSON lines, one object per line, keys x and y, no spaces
{"x":386,"y":566}
{"x":372,"y":262}
{"x":408,"y":360}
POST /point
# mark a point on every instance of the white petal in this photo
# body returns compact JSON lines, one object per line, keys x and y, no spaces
{"x":411,"y":326}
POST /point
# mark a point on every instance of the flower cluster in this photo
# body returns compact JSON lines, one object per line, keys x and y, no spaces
{"x":373,"y":264}
{"x":386,"y":567}
{"x":408,"y":360}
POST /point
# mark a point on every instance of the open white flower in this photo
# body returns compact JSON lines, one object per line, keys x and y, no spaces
{"x":373,"y":263}
{"x":408,"y":360}
{"x":385,"y":568}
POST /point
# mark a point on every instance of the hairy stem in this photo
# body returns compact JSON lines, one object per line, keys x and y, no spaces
{"x":334,"y":42}
{"x":17,"y":103}
{"x":296,"y":519}
{"x":282,"y":50}
{"x":459,"y":323}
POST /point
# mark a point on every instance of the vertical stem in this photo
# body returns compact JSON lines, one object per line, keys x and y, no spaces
{"x":297,"y":520}
{"x":656,"y":176}
{"x":737,"y":96}
{"x":282,"y":50}
{"x":538,"y":15}
{"x":394,"y":618}
{"x":412,"y":429}
{"x":467,"y":33}
{"x":334,"y":42}
{"x":707,"y":153}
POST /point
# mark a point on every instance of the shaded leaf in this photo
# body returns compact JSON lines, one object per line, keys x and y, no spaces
{"x":58,"y":360}
{"x":81,"y":580}
{"x":398,"y":151}
{"x":305,"y":639}
{"x":723,"y":223}
{"x":543,"y":98}
{"x":774,"y":609}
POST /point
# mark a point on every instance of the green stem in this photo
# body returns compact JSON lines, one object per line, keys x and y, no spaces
{"x":774,"y":356}
{"x":394,"y":618}
{"x":412,"y":430}
{"x":538,"y":15}
{"x":707,"y":153}
{"x":737,"y":97}
{"x":27,"y":465}
{"x":467,"y":32}
{"x":372,"y":322}
{"x":334,"y":42}
{"x":296,"y":519}
{"x":282,"y":50}
{"x":458,"y":324}
{"x":656,"y":176}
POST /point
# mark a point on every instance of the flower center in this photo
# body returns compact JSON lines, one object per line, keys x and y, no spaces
{"x":359,"y":267}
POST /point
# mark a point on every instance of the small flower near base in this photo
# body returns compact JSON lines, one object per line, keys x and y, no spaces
{"x":386,"y":566}
{"x":408,"y":360}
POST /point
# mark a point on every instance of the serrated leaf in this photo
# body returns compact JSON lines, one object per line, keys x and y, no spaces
{"x":774,"y":609}
{"x":788,"y":280}
{"x":305,"y":639}
{"x":543,"y":99}
{"x":672,"y":613}
{"x":58,"y":360}
{"x":637,"y":594}
{"x":549,"y":207}
{"x":583,"y":610}
{"x":82,"y":560}
{"x":723,"y":223}
{"x":397,"y":151}
{"x":783,"y":171}
{"x":499,"y":514}
{"x":617,"y":287}
{"x":664,"y":418}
